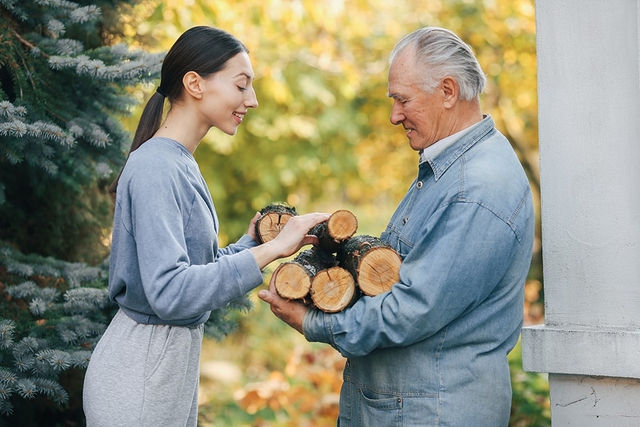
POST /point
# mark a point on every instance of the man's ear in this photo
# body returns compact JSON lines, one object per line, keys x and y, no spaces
{"x":451,"y":91}
{"x":192,"y":84}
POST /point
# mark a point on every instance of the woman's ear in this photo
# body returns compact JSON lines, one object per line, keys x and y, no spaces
{"x":451,"y":91}
{"x":192,"y":84}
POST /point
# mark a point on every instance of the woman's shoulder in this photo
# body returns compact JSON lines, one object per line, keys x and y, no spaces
{"x":158,"y":153}
{"x":159,"y":161}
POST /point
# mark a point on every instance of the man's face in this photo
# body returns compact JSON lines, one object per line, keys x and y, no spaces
{"x":422,"y":114}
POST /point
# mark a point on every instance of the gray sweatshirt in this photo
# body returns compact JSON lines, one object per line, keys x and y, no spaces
{"x":166,"y":267}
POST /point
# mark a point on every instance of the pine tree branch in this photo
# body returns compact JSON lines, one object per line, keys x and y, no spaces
{"x":27,"y":43}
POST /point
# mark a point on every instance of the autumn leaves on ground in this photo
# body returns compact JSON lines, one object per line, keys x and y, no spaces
{"x":266,"y":374}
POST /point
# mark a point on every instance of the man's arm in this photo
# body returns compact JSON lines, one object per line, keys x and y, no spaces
{"x":444,"y":275}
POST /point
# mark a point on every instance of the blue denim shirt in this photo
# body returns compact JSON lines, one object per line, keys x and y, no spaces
{"x":433,"y":350}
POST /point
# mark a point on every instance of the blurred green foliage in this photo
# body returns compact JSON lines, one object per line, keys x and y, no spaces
{"x":321,"y":137}
{"x":530,"y":406}
{"x":320,"y":140}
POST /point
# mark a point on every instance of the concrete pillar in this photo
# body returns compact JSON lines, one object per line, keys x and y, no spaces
{"x":589,"y":122}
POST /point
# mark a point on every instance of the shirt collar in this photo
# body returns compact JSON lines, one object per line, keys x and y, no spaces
{"x":432,"y":151}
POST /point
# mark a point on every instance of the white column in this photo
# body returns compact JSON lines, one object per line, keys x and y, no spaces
{"x":589,"y":128}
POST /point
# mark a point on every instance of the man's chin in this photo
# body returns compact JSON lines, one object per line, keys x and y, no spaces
{"x":416,"y":145}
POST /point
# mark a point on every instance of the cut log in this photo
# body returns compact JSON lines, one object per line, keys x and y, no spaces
{"x":292,"y":279}
{"x":374,"y":264}
{"x":272,"y":220}
{"x":340,"y":226}
{"x":333,"y":290}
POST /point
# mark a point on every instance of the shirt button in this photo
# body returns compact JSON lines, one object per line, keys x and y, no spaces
{"x":404,"y":221}
{"x":419,"y":185}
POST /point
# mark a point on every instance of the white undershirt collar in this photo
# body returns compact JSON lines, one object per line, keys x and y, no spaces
{"x":432,"y":151}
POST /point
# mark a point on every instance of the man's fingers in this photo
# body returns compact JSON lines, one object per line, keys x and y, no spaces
{"x":266,"y":296}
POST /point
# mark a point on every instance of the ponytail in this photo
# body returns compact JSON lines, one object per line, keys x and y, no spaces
{"x":149,"y":123}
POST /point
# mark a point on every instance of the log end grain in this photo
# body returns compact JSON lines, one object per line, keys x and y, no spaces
{"x":379,"y":269}
{"x":333,"y":289}
{"x":341,"y":225}
{"x":291,"y":281}
{"x":270,"y":224}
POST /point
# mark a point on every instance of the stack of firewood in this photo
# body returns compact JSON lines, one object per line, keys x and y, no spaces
{"x":342,"y":268}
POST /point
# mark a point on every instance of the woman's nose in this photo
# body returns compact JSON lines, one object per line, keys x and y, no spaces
{"x":252,"y":99}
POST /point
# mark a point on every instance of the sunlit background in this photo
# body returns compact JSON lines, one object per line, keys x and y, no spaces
{"x":321,"y":140}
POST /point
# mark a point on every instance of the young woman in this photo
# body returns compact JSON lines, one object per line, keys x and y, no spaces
{"x":166,"y":270}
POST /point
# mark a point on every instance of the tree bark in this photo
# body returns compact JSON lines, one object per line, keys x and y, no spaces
{"x":333,"y":290}
{"x":272,"y":220}
{"x":332,"y":233}
{"x":374,"y":264}
{"x":292,"y":279}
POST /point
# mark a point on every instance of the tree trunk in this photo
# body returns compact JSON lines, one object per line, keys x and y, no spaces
{"x":340,"y":226}
{"x":273,"y":219}
{"x":333,"y":290}
{"x":374,"y":264}
{"x":292,"y":279}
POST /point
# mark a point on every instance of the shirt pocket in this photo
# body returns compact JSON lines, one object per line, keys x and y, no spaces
{"x":379,"y":410}
{"x":401,"y":243}
{"x":383,"y":410}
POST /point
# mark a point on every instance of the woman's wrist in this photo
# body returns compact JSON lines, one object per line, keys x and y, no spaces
{"x":265,"y":253}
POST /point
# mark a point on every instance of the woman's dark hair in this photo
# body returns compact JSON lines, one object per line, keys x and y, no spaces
{"x":202,"y":49}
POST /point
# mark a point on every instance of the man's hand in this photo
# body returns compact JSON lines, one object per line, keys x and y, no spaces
{"x":290,"y":312}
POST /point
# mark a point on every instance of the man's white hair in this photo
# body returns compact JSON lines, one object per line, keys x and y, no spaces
{"x":440,"y":53}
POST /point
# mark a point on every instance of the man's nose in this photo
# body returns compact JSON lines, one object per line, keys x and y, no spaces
{"x":396,"y":116}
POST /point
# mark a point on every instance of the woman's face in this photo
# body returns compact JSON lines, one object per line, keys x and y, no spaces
{"x":228,"y":94}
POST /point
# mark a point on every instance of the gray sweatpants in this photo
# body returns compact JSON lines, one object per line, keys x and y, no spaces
{"x":143,"y":375}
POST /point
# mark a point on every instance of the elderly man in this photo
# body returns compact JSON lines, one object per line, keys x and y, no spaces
{"x":433,"y":350}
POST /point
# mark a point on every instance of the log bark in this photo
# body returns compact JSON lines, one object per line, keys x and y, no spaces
{"x":332,"y":233}
{"x":272,"y":220}
{"x":333,"y":290}
{"x":292,"y":279}
{"x":374,"y":264}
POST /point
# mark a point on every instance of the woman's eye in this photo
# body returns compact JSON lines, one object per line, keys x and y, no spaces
{"x":242,"y":89}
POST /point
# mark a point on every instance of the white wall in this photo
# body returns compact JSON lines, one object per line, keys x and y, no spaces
{"x":589,"y":129}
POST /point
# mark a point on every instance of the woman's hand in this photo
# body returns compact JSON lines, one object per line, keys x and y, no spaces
{"x":252,"y":228}
{"x":293,"y":236}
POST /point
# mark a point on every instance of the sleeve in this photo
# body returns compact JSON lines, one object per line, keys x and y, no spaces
{"x":174,"y":288}
{"x":459,"y":258}
{"x":245,"y":242}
